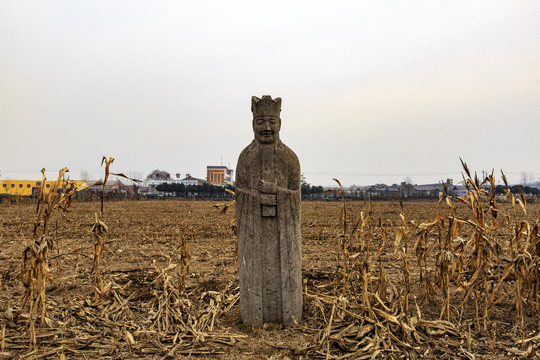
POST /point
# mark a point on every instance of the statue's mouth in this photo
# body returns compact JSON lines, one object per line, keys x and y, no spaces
{"x":267,"y":133}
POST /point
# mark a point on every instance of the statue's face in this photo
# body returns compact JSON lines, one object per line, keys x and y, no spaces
{"x":266,"y":129}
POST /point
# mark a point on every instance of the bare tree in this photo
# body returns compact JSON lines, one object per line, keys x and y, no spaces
{"x":526,"y":178}
{"x":85,"y":176}
{"x":136,"y":175}
{"x":159,"y":175}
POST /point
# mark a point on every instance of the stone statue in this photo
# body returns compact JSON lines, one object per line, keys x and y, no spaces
{"x":268,"y":220}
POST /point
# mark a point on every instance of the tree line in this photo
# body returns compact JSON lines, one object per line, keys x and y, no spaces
{"x":308,"y":191}
{"x":209,"y":190}
{"x":204,"y":190}
{"x":311,"y":191}
{"x":517,"y":189}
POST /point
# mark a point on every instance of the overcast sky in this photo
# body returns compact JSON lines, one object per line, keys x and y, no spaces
{"x":373,"y":91}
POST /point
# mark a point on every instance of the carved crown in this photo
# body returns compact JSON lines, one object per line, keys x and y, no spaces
{"x":265,"y":106}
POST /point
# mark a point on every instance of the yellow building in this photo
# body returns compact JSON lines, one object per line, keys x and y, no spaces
{"x":30,"y":187}
{"x":219,"y":175}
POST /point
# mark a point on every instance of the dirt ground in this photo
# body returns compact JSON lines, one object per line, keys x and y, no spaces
{"x":144,"y":313}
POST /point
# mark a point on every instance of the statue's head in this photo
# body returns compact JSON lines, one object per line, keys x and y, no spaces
{"x":266,"y":120}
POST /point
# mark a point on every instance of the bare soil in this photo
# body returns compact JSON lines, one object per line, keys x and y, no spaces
{"x":144,"y":239}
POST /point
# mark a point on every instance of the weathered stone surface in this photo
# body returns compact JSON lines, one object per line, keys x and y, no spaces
{"x":268,"y":220}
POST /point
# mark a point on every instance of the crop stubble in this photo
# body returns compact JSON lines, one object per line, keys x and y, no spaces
{"x":144,"y":314}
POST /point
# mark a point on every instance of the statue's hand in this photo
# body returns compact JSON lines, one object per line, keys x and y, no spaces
{"x":267,"y":187}
{"x":268,"y":199}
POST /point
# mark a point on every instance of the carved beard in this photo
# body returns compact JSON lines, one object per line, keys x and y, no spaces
{"x":267,"y":136}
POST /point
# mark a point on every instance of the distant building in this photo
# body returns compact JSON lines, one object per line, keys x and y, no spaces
{"x":149,"y":186}
{"x":406,"y":190}
{"x":433,"y":190}
{"x":122,"y":188}
{"x":110,"y":186}
{"x":219,"y":175}
{"x":458,"y":190}
{"x":30,"y":187}
{"x":384,"y":191}
{"x":190,"y":180}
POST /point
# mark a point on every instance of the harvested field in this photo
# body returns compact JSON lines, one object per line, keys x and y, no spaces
{"x":380,"y":281}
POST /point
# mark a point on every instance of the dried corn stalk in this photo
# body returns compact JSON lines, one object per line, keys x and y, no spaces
{"x":99,"y":228}
{"x":35,"y":272}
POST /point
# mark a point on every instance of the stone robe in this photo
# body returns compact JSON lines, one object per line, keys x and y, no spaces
{"x":269,"y":240}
